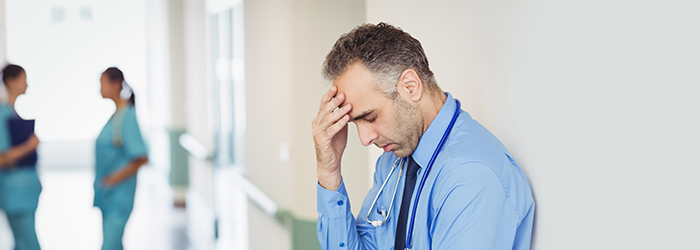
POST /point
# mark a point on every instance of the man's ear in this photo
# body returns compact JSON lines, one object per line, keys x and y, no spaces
{"x":410,"y":87}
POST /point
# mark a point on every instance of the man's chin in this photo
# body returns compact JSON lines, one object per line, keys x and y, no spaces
{"x":402,"y":152}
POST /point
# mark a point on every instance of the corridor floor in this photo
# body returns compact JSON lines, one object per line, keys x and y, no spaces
{"x":66,"y":218}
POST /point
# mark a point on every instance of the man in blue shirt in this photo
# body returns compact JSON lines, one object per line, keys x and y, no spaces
{"x":453,"y":183}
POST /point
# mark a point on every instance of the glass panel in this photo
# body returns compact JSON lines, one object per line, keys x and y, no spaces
{"x":222,"y":49}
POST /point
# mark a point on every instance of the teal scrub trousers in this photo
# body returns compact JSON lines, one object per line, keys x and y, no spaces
{"x":22,"y":225}
{"x":113,"y":224}
{"x":19,"y":198}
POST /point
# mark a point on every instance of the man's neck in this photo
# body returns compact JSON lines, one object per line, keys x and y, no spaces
{"x":432,"y":108}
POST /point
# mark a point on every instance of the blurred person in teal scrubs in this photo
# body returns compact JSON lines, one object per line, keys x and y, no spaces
{"x":119,"y":153}
{"x":19,"y":183}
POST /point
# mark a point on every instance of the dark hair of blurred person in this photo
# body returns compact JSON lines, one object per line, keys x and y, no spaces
{"x":116,"y":77}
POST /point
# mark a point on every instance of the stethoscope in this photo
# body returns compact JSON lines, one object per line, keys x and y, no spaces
{"x":117,"y":126}
{"x":400,"y":162}
{"x":119,"y":115}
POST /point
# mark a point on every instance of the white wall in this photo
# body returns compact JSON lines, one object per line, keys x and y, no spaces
{"x":286,"y":42}
{"x":317,"y":25}
{"x":597,"y":101}
{"x":3,"y":39}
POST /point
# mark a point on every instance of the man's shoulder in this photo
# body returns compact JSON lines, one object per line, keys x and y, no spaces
{"x":470,"y":143}
{"x":473,"y":156}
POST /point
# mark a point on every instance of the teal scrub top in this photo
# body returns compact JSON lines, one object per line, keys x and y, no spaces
{"x":19,"y":186}
{"x":111,"y":156}
{"x":6,"y":113}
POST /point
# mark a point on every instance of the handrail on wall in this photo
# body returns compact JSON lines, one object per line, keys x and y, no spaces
{"x":195,"y":148}
{"x":254,"y":194}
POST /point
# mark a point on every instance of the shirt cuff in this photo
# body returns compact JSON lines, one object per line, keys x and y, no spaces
{"x":333,"y":204}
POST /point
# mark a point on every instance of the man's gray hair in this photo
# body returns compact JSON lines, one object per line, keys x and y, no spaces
{"x":384,"y":50}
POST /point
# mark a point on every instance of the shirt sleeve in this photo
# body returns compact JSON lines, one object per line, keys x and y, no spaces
{"x":336,"y":227}
{"x":133,"y":144}
{"x":471,"y":214}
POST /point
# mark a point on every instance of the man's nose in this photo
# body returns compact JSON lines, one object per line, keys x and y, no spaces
{"x":367,"y":134}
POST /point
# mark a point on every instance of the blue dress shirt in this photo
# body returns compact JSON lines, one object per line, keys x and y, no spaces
{"x":475,"y":196}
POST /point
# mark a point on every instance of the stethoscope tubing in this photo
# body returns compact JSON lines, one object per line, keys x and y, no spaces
{"x":409,"y":236}
{"x":376,"y":223}
{"x":400,"y":162}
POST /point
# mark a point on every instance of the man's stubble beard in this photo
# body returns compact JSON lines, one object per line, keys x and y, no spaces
{"x":409,"y":127}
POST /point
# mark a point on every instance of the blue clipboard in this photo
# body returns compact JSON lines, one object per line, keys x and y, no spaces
{"x":20,"y":130}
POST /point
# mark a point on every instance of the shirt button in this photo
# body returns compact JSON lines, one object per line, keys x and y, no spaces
{"x":340,"y":203}
{"x":341,"y":244}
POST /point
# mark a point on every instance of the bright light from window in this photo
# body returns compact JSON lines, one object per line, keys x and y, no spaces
{"x":64,"y":46}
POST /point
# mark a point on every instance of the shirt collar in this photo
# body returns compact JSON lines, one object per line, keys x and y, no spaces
{"x":430,"y":139}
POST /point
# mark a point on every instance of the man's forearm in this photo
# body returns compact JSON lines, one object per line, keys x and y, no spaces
{"x":330,"y":181}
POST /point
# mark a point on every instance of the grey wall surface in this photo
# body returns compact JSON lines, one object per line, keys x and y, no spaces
{"x":596,"y":100}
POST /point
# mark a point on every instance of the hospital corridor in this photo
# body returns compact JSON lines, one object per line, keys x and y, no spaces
{"x":183,"y":126}
{"x":191,"y":124}
{"x":67,"y":220}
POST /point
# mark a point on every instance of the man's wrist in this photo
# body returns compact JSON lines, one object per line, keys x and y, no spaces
{"x":329,"y":181}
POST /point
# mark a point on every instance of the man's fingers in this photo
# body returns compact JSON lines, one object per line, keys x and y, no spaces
{"x":329,"y":111}
{"x":322,"y":124}
{"x":335,"y":128}
{"x":329,"y":119}
{"x":328,"y":95}
{"x":333,"y":104}
{"x":334,"y":116}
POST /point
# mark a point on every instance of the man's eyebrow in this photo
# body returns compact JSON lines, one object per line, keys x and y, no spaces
{"x":362,"y":115}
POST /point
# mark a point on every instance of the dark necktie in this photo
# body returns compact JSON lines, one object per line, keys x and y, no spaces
{"x":405,"y":203}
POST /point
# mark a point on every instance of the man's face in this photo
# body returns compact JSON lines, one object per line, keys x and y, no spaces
{"x":393,"y":125}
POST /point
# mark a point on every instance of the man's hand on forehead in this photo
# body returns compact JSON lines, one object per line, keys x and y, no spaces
{"x":330,"y":133}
